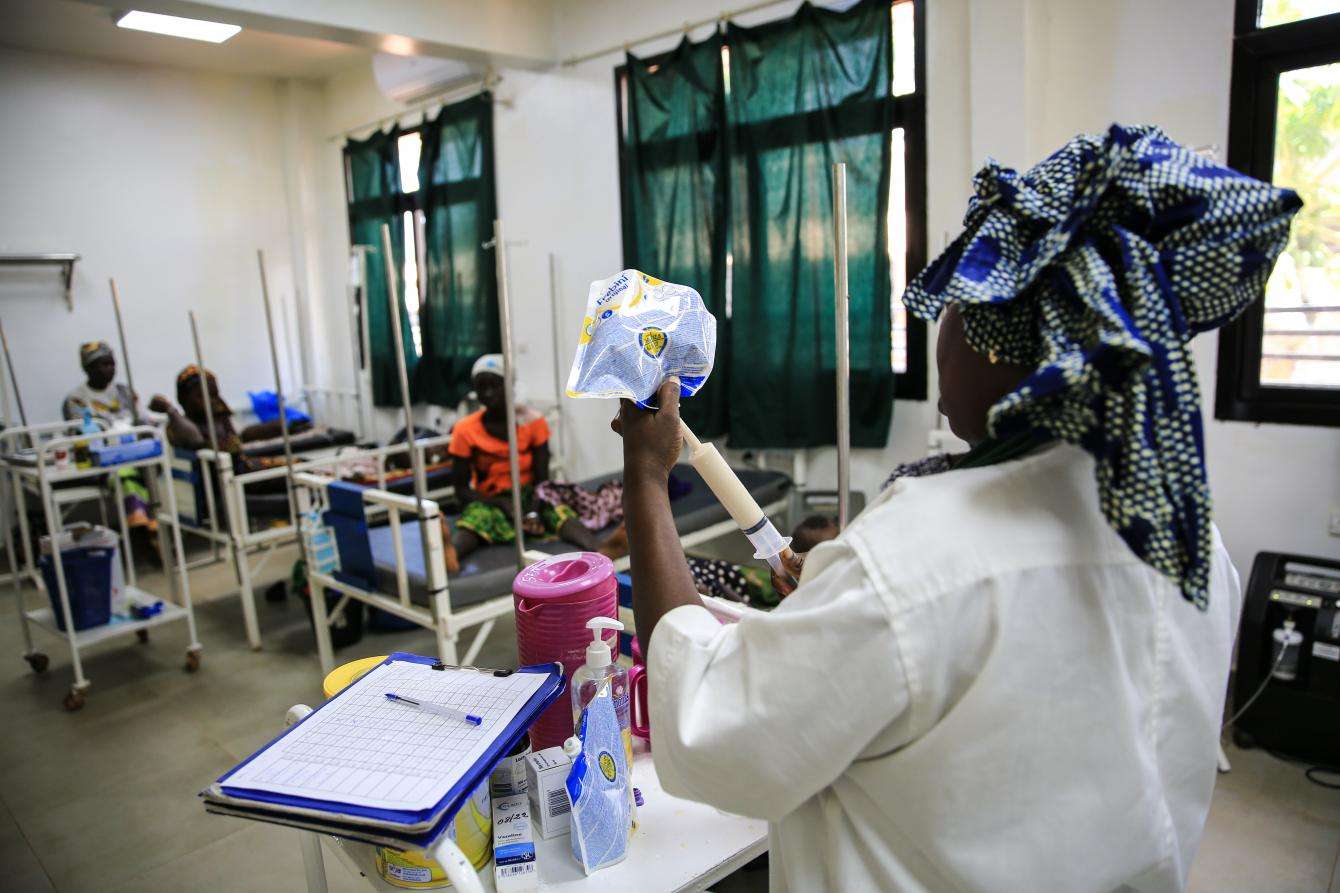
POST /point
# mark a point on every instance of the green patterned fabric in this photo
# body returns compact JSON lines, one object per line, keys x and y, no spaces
{"x":1097,"y":267}
{"x":459,"y":318}
{"x":493,"y":525}
{"x":372,"y":179}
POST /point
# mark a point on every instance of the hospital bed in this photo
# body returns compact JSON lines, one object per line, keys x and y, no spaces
{"x":246,"y":527}
{"x":387,"y":566}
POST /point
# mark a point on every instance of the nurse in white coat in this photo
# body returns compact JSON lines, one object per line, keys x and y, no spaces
{"x":1010,"y":675}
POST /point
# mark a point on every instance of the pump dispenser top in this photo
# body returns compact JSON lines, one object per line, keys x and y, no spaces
{"x":598,"y":654}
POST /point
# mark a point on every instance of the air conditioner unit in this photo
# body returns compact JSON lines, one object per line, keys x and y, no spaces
{"x":408,"y":79}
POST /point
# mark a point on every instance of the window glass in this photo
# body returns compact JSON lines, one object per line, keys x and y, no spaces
{"x":1301,"y":342}
{"x":898,"y":249}
{"x":409,"y":147}
{"x":905,"y":49}
{"x":1281,"y":12}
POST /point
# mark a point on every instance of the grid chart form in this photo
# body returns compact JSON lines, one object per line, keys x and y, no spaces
{"x":369,"y":750}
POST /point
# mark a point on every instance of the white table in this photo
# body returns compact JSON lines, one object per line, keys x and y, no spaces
{"x":679,"y":845}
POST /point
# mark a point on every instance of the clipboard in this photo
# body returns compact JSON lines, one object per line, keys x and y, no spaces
{"x":404,"y":825}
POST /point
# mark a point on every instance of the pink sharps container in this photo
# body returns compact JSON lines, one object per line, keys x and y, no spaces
{"x":554,"y":599}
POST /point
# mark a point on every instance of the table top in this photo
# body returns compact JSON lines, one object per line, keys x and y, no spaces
{"x":679,"y":845}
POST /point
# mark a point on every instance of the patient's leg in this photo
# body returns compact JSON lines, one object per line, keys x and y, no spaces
{"x":464,"y":542}
{"x":575,"y":532}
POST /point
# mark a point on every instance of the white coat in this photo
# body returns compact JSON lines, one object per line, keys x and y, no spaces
{"x":978,"y":686}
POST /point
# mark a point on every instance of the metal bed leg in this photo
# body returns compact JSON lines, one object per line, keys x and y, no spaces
{"x":248,"y":596}
{"x":28,"y":653}
{"x":446,"y":642}
{"x":165,"y":552}
{"x":181,"y":583}
{"x":321,"y":622}
{"x":475,"y":646}
{"x":76,"y":697}
{"x":25,"y":533}
{"x":128,"y":555}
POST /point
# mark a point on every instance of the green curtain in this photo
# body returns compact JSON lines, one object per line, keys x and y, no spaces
{"x":459,"y":318}
{"x":804,"y":93}
{"x":673,"y":192}
{"x":372,"y":179}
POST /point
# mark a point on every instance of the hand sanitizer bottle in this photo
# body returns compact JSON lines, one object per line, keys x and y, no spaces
{"x":599,"y":667}
{"x":599,"y":672}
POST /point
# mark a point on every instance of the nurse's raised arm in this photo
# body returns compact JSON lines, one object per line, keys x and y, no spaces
{"x":651,"y":446}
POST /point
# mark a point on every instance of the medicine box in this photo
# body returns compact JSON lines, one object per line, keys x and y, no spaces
{"x":514,"y":868}
{"x":546,"y":782}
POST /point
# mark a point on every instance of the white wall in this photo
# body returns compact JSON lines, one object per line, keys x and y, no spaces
{"x":166,"y":180}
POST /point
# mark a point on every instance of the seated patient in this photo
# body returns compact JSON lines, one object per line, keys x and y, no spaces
{"x":482,"y":477}
{"x":188,"y":427}
{"x":114,"y":405}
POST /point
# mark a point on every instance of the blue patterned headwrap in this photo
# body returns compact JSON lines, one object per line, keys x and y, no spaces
{"x":1097,"y":267}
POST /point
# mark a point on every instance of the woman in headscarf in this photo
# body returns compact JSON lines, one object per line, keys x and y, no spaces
{"x":1009,"y":675}
{"x":112,"y":404}
{"x":188,"y":427}
{"x":482,"y":477}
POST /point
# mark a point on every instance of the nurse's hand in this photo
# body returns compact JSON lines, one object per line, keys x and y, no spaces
{"x":651,"y":438}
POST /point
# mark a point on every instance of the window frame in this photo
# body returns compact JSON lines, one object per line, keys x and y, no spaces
{"x":1260,"y":56}
{"x":909,"y":114}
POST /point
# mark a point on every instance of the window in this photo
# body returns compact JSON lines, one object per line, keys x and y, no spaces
{"x":1280,"y":362}
{"x":907,"y":184}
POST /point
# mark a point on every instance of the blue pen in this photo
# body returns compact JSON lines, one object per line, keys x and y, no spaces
{"x":437,"y":709}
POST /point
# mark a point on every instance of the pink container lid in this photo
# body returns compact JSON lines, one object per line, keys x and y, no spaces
{"x":563,"y":577}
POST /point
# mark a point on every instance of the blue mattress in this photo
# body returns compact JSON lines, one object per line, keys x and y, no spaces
{"x":488,"y":572}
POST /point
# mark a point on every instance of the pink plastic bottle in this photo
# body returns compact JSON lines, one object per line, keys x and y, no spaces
{"x":554,"y":600}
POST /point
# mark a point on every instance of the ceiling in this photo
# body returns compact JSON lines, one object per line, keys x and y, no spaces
{"x":81,"y":29}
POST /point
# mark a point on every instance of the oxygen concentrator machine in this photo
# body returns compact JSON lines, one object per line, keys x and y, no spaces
{"x":1290,"y":636}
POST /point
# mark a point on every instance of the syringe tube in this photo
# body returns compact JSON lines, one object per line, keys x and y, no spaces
{"x":768,"y":542}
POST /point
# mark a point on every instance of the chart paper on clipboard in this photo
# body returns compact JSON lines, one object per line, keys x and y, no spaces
{"x":362,"y":748}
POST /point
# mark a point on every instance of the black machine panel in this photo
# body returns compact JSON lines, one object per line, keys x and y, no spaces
{"x":1298,"y":716}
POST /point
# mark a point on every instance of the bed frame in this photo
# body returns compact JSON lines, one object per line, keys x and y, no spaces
{"x":231,"y":533}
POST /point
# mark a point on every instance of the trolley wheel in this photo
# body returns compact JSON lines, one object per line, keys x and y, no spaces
{"x":142,"y":635}
{"x":38,"y":661}
{"x":192,"y":661}
{"x":74,"y":700}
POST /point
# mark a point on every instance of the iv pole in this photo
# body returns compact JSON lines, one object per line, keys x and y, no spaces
{"x":125,"y":353}
{"x":509,"y":388}
{"x":411,"y":439}
{"x":279,"y":390}
{"x":558,"y":362}
{"x":248,"y":606}
{"x":13,"y":382}
{"x":843,"y":347}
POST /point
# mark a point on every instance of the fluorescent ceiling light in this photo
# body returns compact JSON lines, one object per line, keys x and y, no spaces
{"x":175,"y":26}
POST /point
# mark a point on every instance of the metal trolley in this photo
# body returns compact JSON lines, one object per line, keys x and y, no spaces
{"x":36,"y":467}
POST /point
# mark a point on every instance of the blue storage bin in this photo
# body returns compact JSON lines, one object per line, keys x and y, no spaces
{"x":88,"y":580}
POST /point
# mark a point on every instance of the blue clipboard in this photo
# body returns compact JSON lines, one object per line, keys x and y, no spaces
{"x":405,"y":821}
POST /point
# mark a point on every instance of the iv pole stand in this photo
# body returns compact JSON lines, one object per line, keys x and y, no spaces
{"x":843,"y":347}
{"x":411,"y":439}
{"x":279,"y":390}
{"x":125,"y":352}
{"x":509,"y":388}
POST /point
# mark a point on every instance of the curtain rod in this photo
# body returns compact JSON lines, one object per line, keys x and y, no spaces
{"x":488,"y":81}
{"x":671,"y":32}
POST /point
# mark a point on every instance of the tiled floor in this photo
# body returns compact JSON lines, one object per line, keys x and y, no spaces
{"x":104,"y":799}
